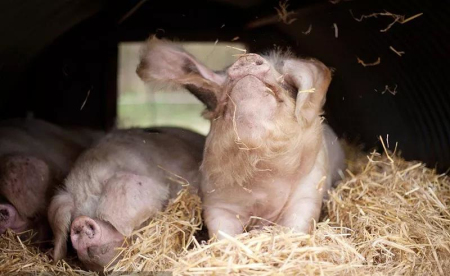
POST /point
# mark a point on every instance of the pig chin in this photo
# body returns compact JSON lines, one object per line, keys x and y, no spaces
{"x":95,"y":258}
{"x":251,"y":109}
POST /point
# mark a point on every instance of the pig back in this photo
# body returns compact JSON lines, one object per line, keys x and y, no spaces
{"x":155,"y":154}
{"x":50,"y":143}
{"x":195,"y":140}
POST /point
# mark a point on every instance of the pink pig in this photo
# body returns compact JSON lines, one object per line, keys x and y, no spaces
{"x":268,"y":153}
{"x":117,"y":185}
{"x":35,"y":156}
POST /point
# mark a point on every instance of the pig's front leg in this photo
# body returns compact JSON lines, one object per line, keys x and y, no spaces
{"x":306,"y":201}
{"x":223,"y":219}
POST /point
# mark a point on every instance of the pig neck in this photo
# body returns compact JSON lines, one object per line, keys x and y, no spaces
{"x":283,"y":155}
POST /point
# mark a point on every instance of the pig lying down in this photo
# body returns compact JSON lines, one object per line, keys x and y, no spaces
{"x":268,"y":154}
{"x":35,"y":156}
{"x":119,"y":184}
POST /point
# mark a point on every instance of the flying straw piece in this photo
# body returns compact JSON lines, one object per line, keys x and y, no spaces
{"x":360,"y":61}
{"x":283,"y":14}
{"x":399,"y":53}
{"x":308,"y":31}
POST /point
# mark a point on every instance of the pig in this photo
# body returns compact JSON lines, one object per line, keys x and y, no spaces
{"x":268,"y":153}
{"x":35,"y":156}
{"x":119,"y":184}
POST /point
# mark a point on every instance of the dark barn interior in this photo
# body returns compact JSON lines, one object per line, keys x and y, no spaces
{"x":56,"y":54}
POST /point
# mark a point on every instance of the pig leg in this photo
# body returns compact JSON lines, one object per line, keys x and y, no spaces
{"x":94,"y":241}
{"x":59,"y":217}
{"x":217,"y":218}
{"x":11,"y":219}
{"x":306,"y":202}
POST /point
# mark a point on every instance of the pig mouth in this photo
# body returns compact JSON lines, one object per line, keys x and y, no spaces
{"x":236,"y":81}
{"x":97,"y":257}
{"x":95,"y":252}
{"x":274,"y":88}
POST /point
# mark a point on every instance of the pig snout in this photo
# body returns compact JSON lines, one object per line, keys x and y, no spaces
{"x":11,"y":219}
{"x":94,"y":241}
{"x":250,"y":64}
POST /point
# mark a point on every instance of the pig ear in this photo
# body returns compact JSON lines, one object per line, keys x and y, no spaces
{"x":165,"y":63}
{"x":25,"y":182}
{"x":59,"y":216}
{"x":311,"y":78}
{"x":128,"y":200}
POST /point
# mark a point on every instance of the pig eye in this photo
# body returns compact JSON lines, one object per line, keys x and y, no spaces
{"x":291,"y":89}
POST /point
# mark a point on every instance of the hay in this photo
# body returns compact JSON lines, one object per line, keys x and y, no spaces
{"x":22,"y":257}
{"x":275,"y":251}
{"x":400,"y":215}
{"x":399,"y":53}
{"x":397,"y":18}
{"x":284,"y":14}
{"x":336,"y":31}
{"x":387,"y":217}
{"x":308,"y":31}
{"x":392,"y":91}
{"x":360,"y":61}
{"x":157,"y":246}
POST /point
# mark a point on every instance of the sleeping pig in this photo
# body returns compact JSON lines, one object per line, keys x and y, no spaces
{"x":117,"y":185}
{"x":268,"y":153}
{"x":35,"y":156}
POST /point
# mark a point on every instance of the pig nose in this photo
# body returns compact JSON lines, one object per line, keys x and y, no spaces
{"x":7,"y":216}
{"x":250,"y":64}
{"x":84,"y":232}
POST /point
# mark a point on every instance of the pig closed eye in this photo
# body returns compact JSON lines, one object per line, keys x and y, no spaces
{"x":259,"y":62}
{"x":290,"y":88}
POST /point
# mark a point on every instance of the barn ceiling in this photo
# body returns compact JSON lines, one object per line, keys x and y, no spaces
{"x":28,"y":26}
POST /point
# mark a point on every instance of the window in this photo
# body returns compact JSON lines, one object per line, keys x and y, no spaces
{"x":140,"y":107}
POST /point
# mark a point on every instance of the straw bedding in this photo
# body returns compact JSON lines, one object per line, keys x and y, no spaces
{"x":387,"y":217}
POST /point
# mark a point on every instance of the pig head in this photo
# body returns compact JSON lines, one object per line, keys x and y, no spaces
{"x":266,"y":154}
{"x":34,"y":157}
{"x":116,"y":186}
